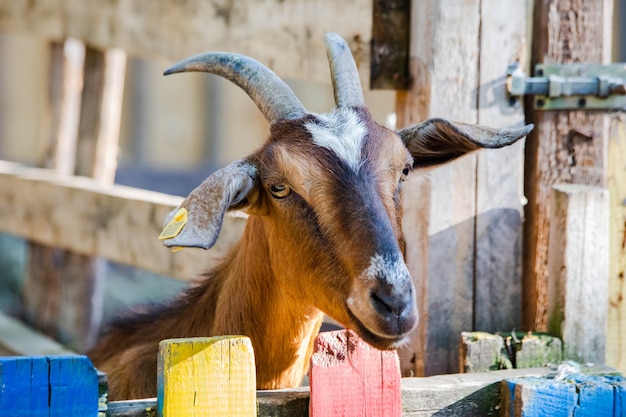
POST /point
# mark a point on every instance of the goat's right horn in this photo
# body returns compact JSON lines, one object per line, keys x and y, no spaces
{"x":271,"y":95}
{"x":343,"y":72}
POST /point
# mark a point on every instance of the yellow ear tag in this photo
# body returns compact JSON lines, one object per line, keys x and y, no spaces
{"x":173,"y":228}
{"x":177,"y":249}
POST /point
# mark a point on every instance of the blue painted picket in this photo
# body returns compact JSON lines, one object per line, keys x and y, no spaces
{"x":577,"y":395}
{"x":48,"y":386}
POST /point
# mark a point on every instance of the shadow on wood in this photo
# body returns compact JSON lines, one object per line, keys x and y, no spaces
{"x":452,"y":296}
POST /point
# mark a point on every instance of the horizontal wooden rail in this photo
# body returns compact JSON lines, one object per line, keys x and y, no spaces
{"x":117,"y":223}
{"x":269,"y":31}
{"x":443,"y":395}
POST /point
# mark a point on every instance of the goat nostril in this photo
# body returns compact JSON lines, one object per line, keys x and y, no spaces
{"x":380,"y":304}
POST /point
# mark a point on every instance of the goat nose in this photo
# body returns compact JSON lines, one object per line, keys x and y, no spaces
{"x":389,"y":300}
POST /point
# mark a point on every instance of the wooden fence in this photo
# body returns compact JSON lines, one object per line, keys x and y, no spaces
{"x":463,"y":221}
{"x":70,"y":386}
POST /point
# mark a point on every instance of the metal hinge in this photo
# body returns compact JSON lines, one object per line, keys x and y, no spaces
{"x":571,"y":86}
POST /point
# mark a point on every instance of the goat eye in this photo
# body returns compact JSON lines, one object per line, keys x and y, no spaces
{"x":280,"y":190}
{"x":405,"y":173}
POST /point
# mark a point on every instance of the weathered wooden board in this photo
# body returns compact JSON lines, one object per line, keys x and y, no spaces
{"x":616,"y":332}
{"x":282,"y":34}
{"x":578,"y":270}
{"x":566,"y":146}
{"x":440,"y":204}
{"x":462,"y":221}
{"x":499,"y":173}
{"x":115,"y":222}
{"x":441,"y":264}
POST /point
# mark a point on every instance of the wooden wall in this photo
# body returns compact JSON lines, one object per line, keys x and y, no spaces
{"x":463,"y":221}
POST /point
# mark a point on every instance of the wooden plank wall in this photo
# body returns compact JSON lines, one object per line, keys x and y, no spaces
{"x":281,"y":34}
{"x":578,"y":270}
{"x":463,"y":221}
{"x":566,"y":146}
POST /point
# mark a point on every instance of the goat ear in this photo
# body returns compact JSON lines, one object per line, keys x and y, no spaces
{"x":436,"y":141}
{"x":198,"y":220}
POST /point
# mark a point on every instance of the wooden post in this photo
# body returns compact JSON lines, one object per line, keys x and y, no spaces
{"x":463,"y":220}
{"x":481,"y":352}
{"x":48,"y":386}
{"x":63,"y":290}
{"x":578,"y":263}
{"x":350,"y":378}
{"x":43,"y":278}
{"x":212,"y":376}
{"x":536,"y":350}
{"x":499,"y":173}
{"x":566,"y":146}
{"x":101,"y":114}
{"x":616,"y":333}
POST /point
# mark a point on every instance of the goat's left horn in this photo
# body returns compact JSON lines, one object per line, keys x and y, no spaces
{"x":343,"y":72}
{"x":272,"y":96}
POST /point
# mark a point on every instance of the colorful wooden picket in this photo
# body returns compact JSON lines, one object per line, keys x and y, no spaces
{"x":350,"y":378}
{"x":576,"y":395}
{"x":216,"y":377}
{"x":48,"y":386}
{"x":208,"y":376}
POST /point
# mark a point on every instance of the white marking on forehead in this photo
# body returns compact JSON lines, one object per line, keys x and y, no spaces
{"x":392,"y":269}
{"x":341,"y":132}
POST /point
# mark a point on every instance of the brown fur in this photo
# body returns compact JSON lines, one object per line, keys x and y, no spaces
{"x":238,"y":298}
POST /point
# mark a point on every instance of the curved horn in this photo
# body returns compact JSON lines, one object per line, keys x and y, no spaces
{"x":343,"y":72}
{"x":271,"y":95}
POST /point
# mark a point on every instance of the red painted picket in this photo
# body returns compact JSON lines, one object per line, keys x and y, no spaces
{"x":350,"y":378}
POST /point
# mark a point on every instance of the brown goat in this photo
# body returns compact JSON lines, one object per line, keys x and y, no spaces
{"x":323,"y":236}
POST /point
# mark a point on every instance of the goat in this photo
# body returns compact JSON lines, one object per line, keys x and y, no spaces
{"x":324,"y":200}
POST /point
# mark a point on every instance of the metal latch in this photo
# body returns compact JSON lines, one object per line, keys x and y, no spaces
{"x":571,"y":86}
